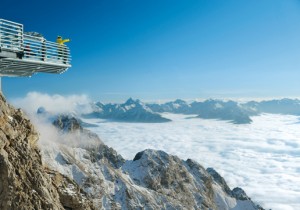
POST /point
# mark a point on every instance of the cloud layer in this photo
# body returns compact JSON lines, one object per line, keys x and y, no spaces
{"x":263,"y":157}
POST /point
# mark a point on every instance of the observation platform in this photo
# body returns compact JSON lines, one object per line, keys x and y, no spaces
{"x":24,"y":54}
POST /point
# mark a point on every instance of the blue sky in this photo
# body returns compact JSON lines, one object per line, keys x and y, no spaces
{"x":154,"y":49}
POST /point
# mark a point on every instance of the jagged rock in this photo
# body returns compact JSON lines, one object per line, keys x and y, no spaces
{"x":24,"y":183}
{"x":67,"y":123}
{"x":97,"y":150}
{"x":219,"y":179}
{"x":240,"y":194}
{"x":70,"y":195}
{"x":180,"y":183}
{"x":103,"y":151}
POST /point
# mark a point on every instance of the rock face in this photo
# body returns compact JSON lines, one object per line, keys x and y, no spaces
{"x":152,"y":180}
{"x":67,"y":123}
{"x":24,"y":182}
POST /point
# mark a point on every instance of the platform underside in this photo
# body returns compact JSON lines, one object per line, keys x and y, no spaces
{"x":19,"y":67}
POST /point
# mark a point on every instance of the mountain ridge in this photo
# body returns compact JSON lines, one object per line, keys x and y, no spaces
{"x":130,"y":111}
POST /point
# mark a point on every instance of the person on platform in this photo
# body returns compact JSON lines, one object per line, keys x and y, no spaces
{"x":61,"y":48}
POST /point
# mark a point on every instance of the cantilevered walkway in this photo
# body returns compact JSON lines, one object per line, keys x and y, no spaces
{"x":24,"y":54}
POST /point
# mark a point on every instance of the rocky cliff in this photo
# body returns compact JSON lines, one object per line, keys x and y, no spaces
{"x":24,"y":182}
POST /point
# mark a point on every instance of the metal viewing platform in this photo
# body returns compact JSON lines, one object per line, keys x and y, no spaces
{"x":24,"y":54}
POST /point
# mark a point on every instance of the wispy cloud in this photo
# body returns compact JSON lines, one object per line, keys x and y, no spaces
{"x":53,"y":103}
{"x":56,"y":104}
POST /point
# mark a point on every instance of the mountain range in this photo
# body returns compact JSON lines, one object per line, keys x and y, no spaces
{"x":231,"y":111}
{"x":130,"y":111}
{"x":209,"y":109}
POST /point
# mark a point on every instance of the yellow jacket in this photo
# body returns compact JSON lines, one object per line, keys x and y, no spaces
{"x":61,"y":41}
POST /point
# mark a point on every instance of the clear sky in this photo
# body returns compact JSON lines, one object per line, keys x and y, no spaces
{"x":166,"y":49}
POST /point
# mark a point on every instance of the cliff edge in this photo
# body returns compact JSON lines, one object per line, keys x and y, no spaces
{"x":24,"y":182}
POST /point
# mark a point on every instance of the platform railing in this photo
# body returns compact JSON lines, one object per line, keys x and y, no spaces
{"x":11,"y":35}
{"x":30,"y":47}
{"x":39,"y":49}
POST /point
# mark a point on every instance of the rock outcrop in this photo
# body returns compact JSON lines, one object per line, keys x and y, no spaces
{"x":24,"y":181}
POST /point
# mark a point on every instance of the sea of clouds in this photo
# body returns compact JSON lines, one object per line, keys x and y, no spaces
{"x":263,"y":158}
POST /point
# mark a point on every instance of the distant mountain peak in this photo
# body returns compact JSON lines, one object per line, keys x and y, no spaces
{"x":41,"y":110}
{"x":130,"y":111}
{"x":131,"y":101}
{"x":179,"y":101}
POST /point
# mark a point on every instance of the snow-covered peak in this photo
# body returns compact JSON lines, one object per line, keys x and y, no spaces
{"x":179,"y":101}
{"x":131,"y":101}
